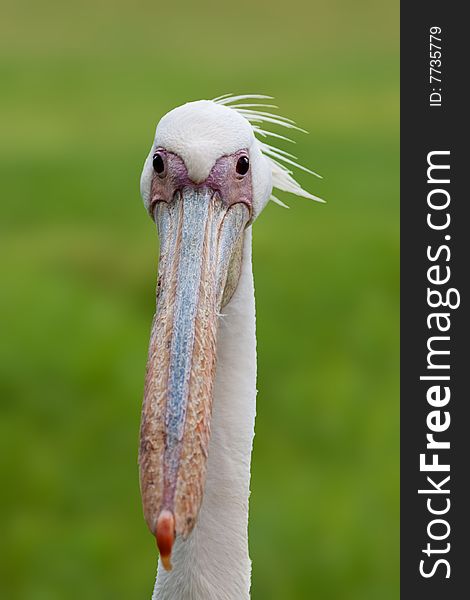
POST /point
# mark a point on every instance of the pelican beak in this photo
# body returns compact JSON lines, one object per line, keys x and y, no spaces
{"x":200,"y":256}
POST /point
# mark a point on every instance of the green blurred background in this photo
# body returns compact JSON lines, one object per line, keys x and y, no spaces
{"x":82,"y":87}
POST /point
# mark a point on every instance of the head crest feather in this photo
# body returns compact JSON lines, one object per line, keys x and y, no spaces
{"x":250,"y":107}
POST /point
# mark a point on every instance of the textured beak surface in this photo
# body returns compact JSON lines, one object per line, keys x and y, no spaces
{"x":200,"y":240}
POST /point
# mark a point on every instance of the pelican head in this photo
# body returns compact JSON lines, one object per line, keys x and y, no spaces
{"x":207,"y":177}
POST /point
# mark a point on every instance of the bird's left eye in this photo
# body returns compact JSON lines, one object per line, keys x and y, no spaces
{"x":243,"y":164}
{"x":158,"y":164}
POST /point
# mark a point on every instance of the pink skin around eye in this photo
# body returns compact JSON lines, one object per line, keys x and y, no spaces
{"x":223,"y":179}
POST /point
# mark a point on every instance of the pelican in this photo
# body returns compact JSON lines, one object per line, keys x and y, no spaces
{"x":208,"y":175}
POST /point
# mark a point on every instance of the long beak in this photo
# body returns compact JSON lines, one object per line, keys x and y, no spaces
{"x":200,"y":240}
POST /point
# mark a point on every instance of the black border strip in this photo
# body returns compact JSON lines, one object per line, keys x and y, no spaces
{"x":425,"y":129}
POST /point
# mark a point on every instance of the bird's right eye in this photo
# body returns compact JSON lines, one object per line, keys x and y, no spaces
{"x":158,"y":164}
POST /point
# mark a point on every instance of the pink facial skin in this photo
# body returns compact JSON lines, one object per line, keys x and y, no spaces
{"x":223,"y":179}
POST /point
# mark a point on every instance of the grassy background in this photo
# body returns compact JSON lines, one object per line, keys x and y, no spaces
{"x":83,"y":85}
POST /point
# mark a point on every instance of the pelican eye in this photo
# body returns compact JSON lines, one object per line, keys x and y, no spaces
{"x":158,"y":164}
{"x":243,"y":164}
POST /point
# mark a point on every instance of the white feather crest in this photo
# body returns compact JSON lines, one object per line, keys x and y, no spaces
{"x":248,"y":106}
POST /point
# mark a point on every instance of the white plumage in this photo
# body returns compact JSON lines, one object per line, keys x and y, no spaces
{"x":213,"y":563}
{"x":202,"y":131}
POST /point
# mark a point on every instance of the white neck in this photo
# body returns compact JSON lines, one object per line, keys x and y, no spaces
{"x":213,"y":563}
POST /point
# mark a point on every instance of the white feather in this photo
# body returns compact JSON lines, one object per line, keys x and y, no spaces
{"x":282,"y":176}
{"x":277,"y":201}
{"x":214,"y":564}
{"x":201,"y":132}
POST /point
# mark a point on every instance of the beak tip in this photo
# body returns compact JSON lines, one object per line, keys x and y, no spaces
{"x":166,"y":562}
{"x":165,"y":535}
